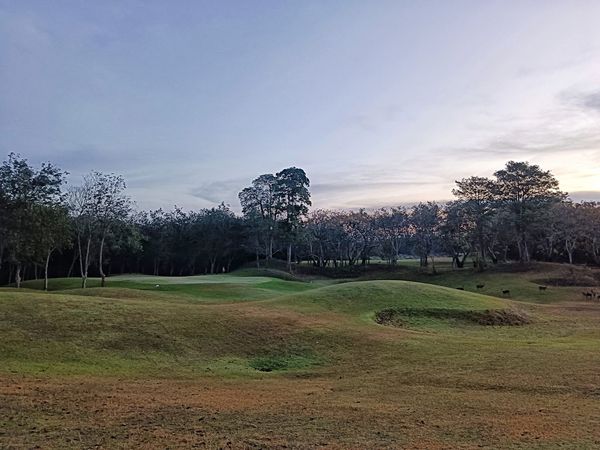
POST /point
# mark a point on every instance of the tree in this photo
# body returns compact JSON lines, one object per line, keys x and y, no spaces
{"x":292,"y":198}
{"x":23,"y":191}
{"x":324,"y":237}
{"x":590,"y":218}
{"x":524,"y":190}
{"x":476,"y":208}
{"x":456,"y":232}
{"x":425,"y":221}
{"x":392,"y":228}
{"x":110,"y":206}
{"x":261,"y":210}
{"x":53,"y":233}
{"x":361,"y":236}
{"x":218,"y":229}
{"x":78,"y":201}
{"x":97,"y":206}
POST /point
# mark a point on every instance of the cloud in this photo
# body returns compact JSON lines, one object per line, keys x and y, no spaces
{"x":585,"y":100}
{"x":219,"y":191}
{"x":565,"y":127}
{"x":336,"y":188}
{"x":585,"y":196}
{"x":592,"y":101}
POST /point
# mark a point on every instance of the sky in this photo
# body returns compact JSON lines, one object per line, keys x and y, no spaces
{"x":382,"y":103}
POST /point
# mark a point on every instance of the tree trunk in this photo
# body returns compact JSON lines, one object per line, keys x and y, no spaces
{"x":46,"y":270}
{"x":520,"y":249}
{"x":84,"y":263}
{"x":289,"y":257}
{"x":18,"y":275}
{"x":493,"y":255}
{"x":569,"y":248}
{"x":101,"y":262}
{"x":72,"y":266}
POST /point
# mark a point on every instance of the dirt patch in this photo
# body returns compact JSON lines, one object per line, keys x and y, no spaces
{"x":582,"y":281}
{"x":572,"y":276}
{"x":489,"y":317}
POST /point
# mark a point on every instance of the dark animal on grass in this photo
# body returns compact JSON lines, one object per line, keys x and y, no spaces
{"x":506,"y":292}
{"x":480,"y":286}
{"x":542,"y":288}
{"x":588,"y":295}
{"x":460,"y":288}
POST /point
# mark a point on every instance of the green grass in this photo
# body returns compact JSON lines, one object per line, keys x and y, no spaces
{"x":204,"y":288}
{"x":283,"y":362}
{"x":522,"y":281}
{"x":134,"y":328}
{"x":363,"y":298}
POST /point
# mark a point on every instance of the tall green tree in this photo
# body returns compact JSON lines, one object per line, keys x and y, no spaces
{"x":53,"y":234}
{"x":525,"y":190}
{"x":292,"y":198}
{"x":23,"y":190}
{"x":261,"y":211}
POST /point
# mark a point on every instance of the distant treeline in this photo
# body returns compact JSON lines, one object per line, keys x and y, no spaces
{"x":47,"y":229}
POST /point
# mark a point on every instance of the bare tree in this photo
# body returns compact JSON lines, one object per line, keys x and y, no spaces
{"x":96,"y":206}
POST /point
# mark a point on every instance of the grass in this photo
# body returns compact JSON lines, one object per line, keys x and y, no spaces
{"x":266,"y":362}
{"x":205,"y":288}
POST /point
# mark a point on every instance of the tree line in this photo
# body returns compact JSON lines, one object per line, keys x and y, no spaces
{"x":48,"y":228}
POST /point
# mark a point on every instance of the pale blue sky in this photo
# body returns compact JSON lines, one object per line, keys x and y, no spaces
{"x":381,"y":102}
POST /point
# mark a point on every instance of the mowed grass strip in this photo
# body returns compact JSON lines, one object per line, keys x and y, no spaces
{"x":205,"y":288}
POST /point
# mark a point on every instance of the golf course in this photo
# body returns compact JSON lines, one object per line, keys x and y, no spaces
{"x":266,"y":359}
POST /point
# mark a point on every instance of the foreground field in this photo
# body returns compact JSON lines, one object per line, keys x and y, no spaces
{"x":234,"y":361}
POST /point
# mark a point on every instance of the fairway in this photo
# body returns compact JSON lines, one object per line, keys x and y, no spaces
{"x":234,"y":361}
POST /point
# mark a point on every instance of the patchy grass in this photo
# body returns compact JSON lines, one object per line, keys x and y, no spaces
{"x":523,"y":281}
{"x":283,"y":362}
{"x":260,"y":362}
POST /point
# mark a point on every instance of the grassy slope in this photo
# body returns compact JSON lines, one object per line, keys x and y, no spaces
{"x":522,"y":281}
{"x":363,"y":384}
{"x":125,"y":331}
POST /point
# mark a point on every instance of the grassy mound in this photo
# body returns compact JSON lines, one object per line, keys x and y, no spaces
{"x":401,"y":317}
{"x":365,"y":298}
{"x":134,"y":327}
{"x":73,"y":334}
